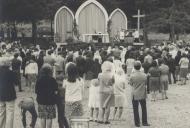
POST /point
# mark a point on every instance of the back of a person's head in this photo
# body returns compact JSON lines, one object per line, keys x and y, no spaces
{"x":46,"y":70}
{"x":154,"y":64}
{"x":33,"y":58}
{"x":70,"y":58}
{"x":72,"y":72}
{"x":184,"y":55}
{"x":179,"y":53}
{"x":80,"y":52}
{"x":49,"y":52}
{"x":16,"y":55}
{"x":137,"y":65}
{"x":160,"y":61}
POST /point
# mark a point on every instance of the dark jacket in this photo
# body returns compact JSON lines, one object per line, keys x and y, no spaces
{"x":16,"y":64}
{"x":46,"y":88}
{"x":80,"y":63}
{"x":89,"y":69}
{"x":7,"y":83}
{"x":171,"y":64}
{"x":96,"y":69}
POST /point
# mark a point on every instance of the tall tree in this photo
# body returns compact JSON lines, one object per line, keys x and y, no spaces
{"x":18,"y":11}
{"x":33,"y":11}
{"x":170,"y":16}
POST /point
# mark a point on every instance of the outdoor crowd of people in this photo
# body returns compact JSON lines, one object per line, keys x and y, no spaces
{"x":68,"y":78}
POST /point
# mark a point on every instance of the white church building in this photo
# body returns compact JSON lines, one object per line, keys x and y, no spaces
{"x":91,"y":19}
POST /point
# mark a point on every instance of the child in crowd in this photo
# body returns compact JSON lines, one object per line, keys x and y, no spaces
{"x":27,"y":104}
{"x":73,"y":92}
{"x":94,"y":99}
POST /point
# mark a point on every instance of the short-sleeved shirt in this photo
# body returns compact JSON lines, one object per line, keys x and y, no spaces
{"x":73,"y":91}
{"x":184,"y":63}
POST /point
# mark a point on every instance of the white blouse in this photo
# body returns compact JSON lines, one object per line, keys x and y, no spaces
{"x":73,"y":91}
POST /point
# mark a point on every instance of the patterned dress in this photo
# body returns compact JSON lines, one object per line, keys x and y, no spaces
{"x":154,"y":79}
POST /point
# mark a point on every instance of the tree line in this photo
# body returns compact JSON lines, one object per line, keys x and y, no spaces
{"x":168,"y":16}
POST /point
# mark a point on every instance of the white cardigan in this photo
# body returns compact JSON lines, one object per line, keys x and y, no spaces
{"x":31,"y":68}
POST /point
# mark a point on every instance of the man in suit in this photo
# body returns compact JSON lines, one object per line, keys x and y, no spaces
{"x":138,"y":82}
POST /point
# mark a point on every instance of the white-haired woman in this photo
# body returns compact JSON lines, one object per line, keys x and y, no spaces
{"x":106,"y":80}
{"x":119,"y":91}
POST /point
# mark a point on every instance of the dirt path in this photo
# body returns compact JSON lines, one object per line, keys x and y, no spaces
{"x":171,"y":113}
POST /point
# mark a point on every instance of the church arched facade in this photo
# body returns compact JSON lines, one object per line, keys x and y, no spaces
{"x":91,"y":19}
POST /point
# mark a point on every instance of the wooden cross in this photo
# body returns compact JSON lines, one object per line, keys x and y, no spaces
{"x":138,"y":21}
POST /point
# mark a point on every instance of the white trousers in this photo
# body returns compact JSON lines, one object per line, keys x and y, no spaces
{"x":7,"y":114}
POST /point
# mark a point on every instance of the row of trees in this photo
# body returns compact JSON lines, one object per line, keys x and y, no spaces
{"x":168,"y":16}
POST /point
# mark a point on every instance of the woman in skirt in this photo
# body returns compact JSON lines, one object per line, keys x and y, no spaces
{"x":119,"y":91}
{"x":106,"y":80}
{"x":73,"y":92}
{"x":164,"y":70}
{"x":184,"y":65}
{"x":46,"y":90}
{"x":154,"y":79}
{"x":130,"y":64}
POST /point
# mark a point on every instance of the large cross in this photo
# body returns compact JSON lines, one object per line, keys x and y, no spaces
{"x":138,"y":16}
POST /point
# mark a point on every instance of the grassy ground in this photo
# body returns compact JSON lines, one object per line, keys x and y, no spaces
{"x":171,"y":113}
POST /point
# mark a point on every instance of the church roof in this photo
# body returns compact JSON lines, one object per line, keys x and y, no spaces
{"x":107,"y":4}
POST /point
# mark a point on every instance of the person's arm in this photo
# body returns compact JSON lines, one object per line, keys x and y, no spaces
{"x":64,"y":84}
{"x":13,"y":78}
{"x":36,"y":68}
{"x":37,"y":86}
{"x":131,"y":81}
{"x":180,"y":62}
{"x":56,"y":87}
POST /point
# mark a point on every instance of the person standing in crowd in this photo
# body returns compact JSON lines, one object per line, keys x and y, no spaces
{"x":62,"y":121}
{"x":119,"y":92}
{"x":117,"y":53}
{"x":59,"y":64}
{"x":106,"y":80}
{"x":73,"y":86}
{"x":138,"y":81}
{"x":27,"y":105}
{"x":146,"y":65}
{"x":172,"y":68}
{"x":154,"y":80}
{"x":49,"y":59}
{"x":7,"y":94}
{"x":40,"y":60}
{"x":141,"y":56}
{"x":94,"y":100}
{"x":89,"y":74}
{"x":16,"y":67}
{"x":164,"y":72}
{"x":97,"y":56}
{"x":46,"y":90}
{"x":184,"y":66}
{"x":31,"y":72}
{"x":130,"y":64}
{"x":23,"y":56}
{"x":80,"y":63}
{"x":148,"y":57}
{"x":177,"y":59}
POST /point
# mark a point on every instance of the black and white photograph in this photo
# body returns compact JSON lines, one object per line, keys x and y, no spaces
{"x":94,"y":63}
